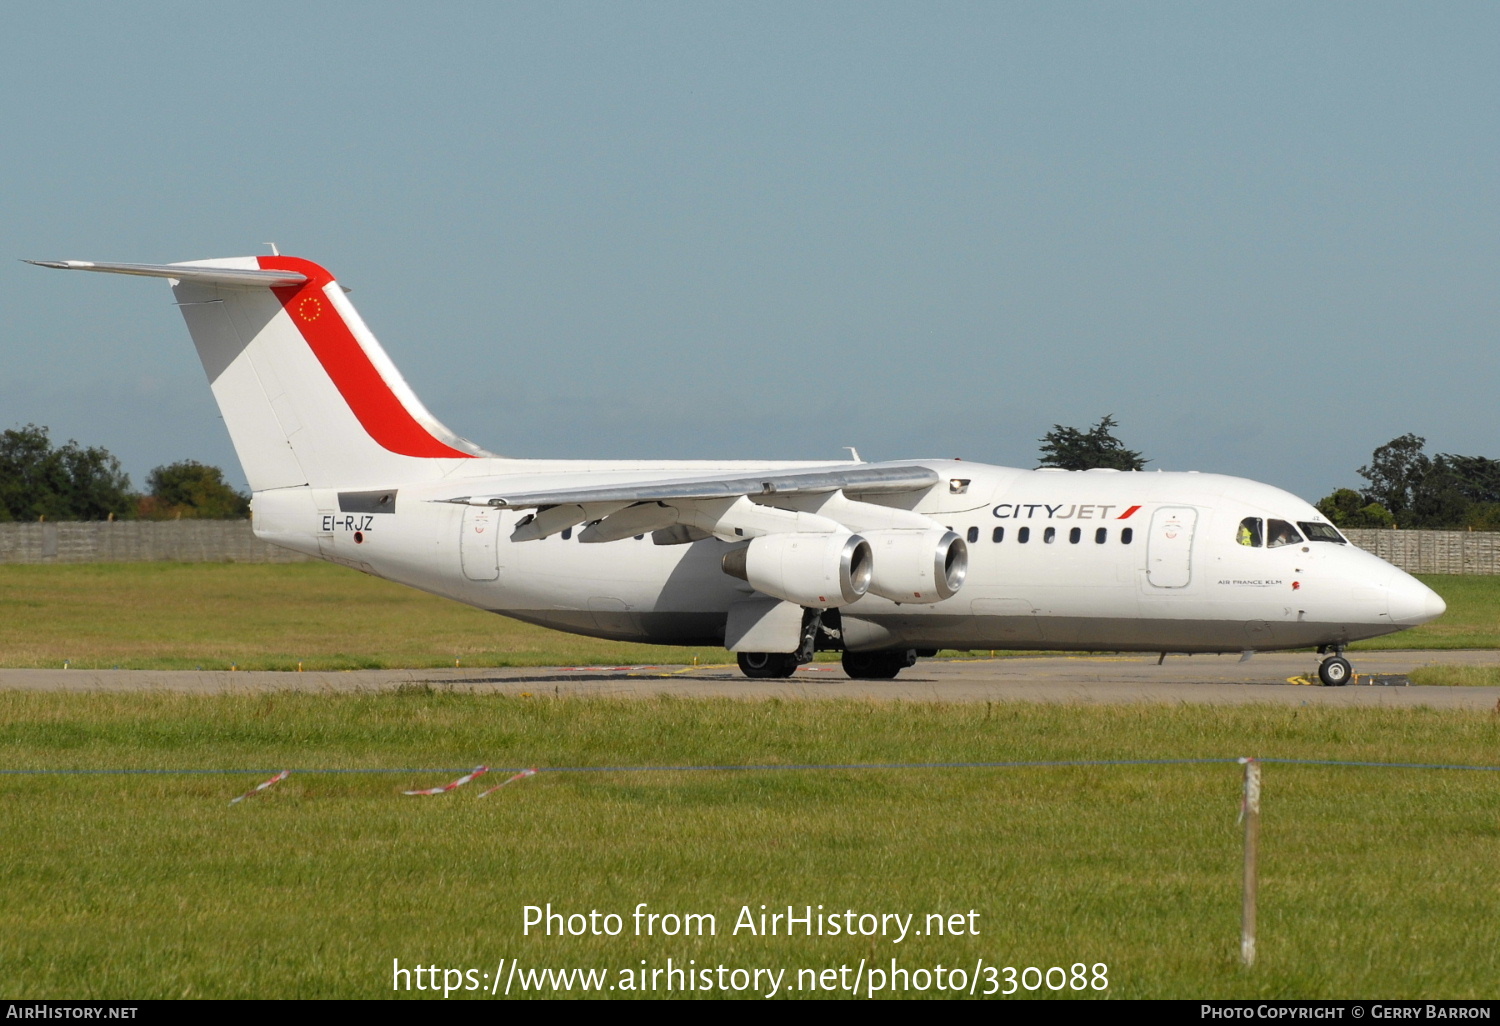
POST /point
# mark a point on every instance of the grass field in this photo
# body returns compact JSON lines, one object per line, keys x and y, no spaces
{"x":183,"y":616}
{"x":1457,"y":676}
{"x":273,"y":617}
{"x":1375,"y":883}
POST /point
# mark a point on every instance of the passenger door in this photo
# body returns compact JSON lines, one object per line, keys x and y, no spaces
{"x":1169,"y":548}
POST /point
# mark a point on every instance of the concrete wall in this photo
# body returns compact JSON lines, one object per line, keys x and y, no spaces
{"x":231,"y":541}
{"x":1434,"y":552}
{"x":133,"y":541}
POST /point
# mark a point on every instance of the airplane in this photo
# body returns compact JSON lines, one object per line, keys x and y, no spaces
{"x":884,"y":562}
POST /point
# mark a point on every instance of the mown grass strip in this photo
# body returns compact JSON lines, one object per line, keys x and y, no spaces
{"x":1374,"y":884}
{"x":214,"y":616}
{"x":1457,"y":676}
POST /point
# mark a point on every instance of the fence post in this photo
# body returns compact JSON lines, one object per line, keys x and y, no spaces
{"x":1251,"y":814}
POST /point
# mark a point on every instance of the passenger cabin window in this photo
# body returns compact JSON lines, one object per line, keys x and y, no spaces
{"x":1126,"y":535}
{"x":1023,"y":535}
{"x":1249,"y":532}
{"x":1321,"y":532}
{"x":973,"y":534}
{"x":1075,"y":534}
{"x":1049,"y":535}
{"x":998,"y":534}
{"x":1101,"y":535}
{"x":1279,"y":533}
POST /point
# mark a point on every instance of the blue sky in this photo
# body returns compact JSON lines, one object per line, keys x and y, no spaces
{"x":1263,"y":236}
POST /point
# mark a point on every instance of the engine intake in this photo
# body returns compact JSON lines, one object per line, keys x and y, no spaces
{"x":821,"y":570}
{"x":918,"y":566}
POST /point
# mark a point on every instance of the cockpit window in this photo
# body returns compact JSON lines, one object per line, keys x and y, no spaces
{"x":1281,"y":533}
{"x":1249,"y":532}
{"x":1320,"y":532}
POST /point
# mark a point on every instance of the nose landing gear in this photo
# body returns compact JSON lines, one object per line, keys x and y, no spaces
{"x":1335,"y":671}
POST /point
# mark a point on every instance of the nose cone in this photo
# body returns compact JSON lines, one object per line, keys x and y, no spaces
{"x":1412,"y":602}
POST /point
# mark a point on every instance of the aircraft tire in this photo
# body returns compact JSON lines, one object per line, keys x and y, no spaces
{"x":1335,"y":672}
{"x":875,"y":665}
{"x":767,"y":664}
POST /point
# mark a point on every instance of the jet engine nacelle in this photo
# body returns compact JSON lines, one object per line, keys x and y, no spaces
{"x":917,"y":566}
{"x":819,"y":569}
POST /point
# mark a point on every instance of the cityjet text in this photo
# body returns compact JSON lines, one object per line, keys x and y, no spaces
{"x":1058,"y":511}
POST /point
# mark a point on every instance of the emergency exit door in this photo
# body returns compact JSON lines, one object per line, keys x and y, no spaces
{"x":478,"y":546}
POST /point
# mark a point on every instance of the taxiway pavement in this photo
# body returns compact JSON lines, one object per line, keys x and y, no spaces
{"x":1089,"y":679}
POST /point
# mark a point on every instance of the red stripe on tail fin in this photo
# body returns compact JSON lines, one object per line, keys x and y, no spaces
{"x":378,"y":408}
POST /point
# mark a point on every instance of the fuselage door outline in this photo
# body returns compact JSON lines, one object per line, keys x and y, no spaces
{"x":478,"y":546}
{"x":1169,"y":547}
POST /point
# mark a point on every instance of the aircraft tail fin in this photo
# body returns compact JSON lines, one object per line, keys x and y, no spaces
{"x":308,"y":394}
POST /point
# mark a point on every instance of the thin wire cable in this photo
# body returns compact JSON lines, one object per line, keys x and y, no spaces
{"x":776,"y":767}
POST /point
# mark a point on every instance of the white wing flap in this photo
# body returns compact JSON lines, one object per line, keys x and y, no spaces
{"x":547,"y":522}
{"x":644,"y":518}
{"x":728,"y":508}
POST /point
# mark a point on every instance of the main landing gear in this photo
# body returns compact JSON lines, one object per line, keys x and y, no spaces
{"x":858,"y":665}
{"x":784,"y":664}
{"x":878,"y":665}
{"x":821,"y":630}
{"x":768,"y":664}
{"x":1335,"y":671}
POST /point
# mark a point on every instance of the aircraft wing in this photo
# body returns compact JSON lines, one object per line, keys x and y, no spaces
{"x":687,"y":509}
{"x":860,"y":480}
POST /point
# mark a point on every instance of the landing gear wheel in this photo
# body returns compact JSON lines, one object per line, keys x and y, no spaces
{"x":877,"y":665}
{"x":768,"y":664}
{"x":1335,"y":671}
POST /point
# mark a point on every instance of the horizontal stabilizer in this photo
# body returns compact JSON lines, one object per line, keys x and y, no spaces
{"x":185,"y":272}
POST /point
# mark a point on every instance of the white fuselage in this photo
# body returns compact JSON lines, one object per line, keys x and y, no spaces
{"x":1095,"y":560}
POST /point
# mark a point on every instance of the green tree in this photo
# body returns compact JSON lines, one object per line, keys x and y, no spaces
{"x":1070,"y":449}
{"x":1396,"y":473}
{"x":1439,"y":501}
{"x":1443,"y":491}
{"x":1483,"y":516}
{"x":1476,"y":478}
{"x":1347,"y":508}
{"x":66,"y":482}
{"x":189,"y":489}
